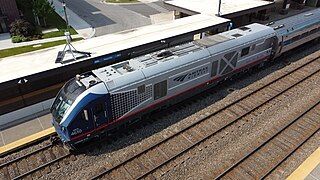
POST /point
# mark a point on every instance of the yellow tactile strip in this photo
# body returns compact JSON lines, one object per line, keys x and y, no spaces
{"x":27,"y":140}
{"x":306,"y":167}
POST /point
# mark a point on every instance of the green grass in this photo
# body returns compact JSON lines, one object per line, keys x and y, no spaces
{"x":121,"y":1}
{"x":25,"y":49}
{"x":55,"y":21}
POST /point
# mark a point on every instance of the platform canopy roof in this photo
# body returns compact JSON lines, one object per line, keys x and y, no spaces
{"x":42,"y":60}
{"x":210,"y":7}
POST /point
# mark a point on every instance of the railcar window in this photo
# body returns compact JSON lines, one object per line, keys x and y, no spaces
{"x":313,"y":31}
{"x":245,"y":51}
{"x":296,"y":38}
{"x":141,"y":89}
{"x":304,"y":35}
{"x":160,"y":90}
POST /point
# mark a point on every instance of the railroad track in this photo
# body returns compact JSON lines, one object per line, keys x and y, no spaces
{"x":39,"y":162}
{"x":30,"y":164}
{"x":274,"y":150}
{"x":149,"y":162}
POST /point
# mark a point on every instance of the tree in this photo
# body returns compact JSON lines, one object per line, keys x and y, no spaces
{"x":42,"y":8}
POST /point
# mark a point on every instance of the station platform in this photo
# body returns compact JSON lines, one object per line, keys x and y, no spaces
{"x":101,"y":48}
{"x":25,"y":133}
{"x":309,"y":169}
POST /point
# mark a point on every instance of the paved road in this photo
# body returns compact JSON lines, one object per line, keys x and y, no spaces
{"x":107,"y":18}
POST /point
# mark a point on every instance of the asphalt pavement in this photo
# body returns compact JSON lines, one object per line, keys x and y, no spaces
{"x":111,"y":18}
{"x":141,"y":8}
{"x":146,"y":8}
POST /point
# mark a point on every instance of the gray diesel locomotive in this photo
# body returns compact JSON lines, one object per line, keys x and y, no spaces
{"x":94,"y":103}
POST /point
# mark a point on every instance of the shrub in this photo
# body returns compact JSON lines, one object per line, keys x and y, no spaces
{"x":17,"y":39}
{"x":22,"y":28}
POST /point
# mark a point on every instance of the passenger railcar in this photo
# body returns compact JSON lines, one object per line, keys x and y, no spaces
{"x":297,"y":30}
{"x":97,"y":102}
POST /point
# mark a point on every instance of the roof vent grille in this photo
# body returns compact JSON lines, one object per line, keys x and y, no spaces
{"x":243,"y":28}
{"x":236,"y":35}
{"x":164,"y":54}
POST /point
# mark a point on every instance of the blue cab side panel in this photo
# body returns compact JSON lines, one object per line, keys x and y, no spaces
{"x":74,"y":125}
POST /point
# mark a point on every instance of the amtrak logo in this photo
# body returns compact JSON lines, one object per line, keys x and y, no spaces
{"x":191,"y":75}
{"x":180,"y":78}
{"x":76,"y":131}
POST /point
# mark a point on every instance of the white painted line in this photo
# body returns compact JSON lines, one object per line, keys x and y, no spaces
{"x":4,"y":143}
{"x":40,"y":123}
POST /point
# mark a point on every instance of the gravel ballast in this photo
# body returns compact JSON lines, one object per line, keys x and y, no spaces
{"x":89,"y":163}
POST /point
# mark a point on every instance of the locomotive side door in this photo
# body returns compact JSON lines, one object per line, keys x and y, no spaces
{"x":81,"y":124}
{"x":99,"y":113}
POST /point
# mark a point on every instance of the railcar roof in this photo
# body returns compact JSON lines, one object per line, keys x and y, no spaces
{"x":281,"y":26}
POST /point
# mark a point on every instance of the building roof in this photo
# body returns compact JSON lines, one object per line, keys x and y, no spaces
{"x":39,"y":61}
{"x":210,"y":7}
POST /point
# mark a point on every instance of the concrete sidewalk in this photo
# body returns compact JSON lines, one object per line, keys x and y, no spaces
{"x":6,"y":43}
{"x":81,"y":26}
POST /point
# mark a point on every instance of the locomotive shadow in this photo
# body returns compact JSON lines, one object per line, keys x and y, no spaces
{"x":165,"y":118}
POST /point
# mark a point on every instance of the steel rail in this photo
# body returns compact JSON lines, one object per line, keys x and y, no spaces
{"x":208,"y":116}
{"x":223,"y":128}
{"x":41,"y":166}
{"x":44,"y":138}
{"x":286,"y":157}
{"x":266,"y":142}
{"x":25,"y":156}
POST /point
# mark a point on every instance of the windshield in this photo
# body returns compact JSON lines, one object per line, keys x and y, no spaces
{"x":60,"y":107}
{"x":65,"y":98}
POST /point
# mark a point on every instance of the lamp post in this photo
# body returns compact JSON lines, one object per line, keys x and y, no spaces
{"x":219,"y":9}
{"x":65,"y":14}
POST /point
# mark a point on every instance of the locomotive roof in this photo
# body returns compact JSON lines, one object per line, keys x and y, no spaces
{"x":137,"y":69}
